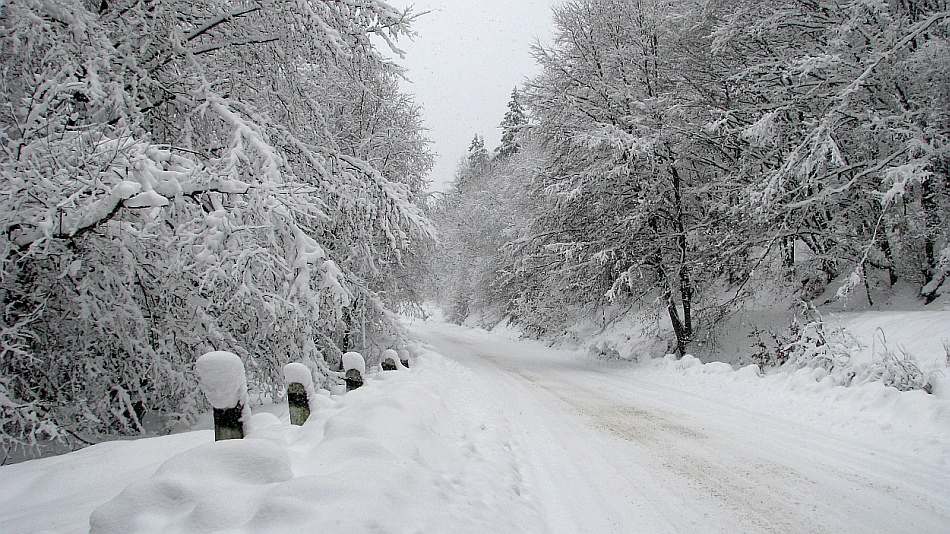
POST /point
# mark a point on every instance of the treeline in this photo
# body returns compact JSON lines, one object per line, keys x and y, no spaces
{"x":185,"y":176}
{"x":679,"y":156}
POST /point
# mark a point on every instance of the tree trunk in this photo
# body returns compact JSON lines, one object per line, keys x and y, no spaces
{"x":788,"y":257}
{"x":682,"y":340}
{"x":679,"y":329}
{"x":932,"y":220}
{"x":686,"y":285}
{"x":889,"y":258}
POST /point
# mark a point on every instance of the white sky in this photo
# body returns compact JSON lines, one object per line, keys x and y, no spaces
{"x":467,"y":58}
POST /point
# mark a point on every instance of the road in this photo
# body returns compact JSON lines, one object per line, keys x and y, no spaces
{"x":605,"y":451}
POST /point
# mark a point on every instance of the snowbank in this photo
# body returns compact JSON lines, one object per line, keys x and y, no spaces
{"x":213,"y":486}
{"x":408,"y":452}
{"x":811,"y":396}
{"x":385,"y":457}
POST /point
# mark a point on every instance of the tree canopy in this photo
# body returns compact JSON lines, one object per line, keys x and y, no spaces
{"x":686,"y":151}
{"x":178,"y":177}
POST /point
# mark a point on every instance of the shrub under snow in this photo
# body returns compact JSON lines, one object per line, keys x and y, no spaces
{"x":819,"y":343}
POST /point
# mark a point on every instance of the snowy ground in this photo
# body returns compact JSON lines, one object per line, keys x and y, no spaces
{"x":511,"y":436}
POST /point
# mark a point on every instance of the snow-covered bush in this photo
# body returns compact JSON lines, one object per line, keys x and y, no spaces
{"x":899,"y":371}
{"x":604,"y":349}
{"x":828,"y":345}
{"x":770,"y":348}
{"x":822,"y":344}
{"x":893,"y":367}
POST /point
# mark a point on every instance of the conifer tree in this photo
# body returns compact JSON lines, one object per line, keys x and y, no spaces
{"x":512,"y":126}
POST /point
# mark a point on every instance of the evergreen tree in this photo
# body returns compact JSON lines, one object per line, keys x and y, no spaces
{"x":477,"y":154}
{"x":513,"y":124}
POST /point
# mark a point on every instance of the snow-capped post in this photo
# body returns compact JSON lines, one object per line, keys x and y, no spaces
{"x":222,"y":379}
{"x":355,"y":367}
{"x":404,"y":357}
{"x":388,"y":362}
{"x":299,"y":383}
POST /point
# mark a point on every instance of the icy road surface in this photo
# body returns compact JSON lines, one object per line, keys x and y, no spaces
{"x":610,"y":448}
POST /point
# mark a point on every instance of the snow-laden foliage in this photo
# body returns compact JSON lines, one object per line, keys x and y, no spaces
{"x":691,"y":153}
{"x":824,"y":344}
{"x":841,"y":112}
{"x":816,"y":342}
{"x":180,"y":177}
{"x":639,"y":209}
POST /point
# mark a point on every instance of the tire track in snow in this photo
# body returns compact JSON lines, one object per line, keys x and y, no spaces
{"x":691,"y":462}
{"x":727,"y":482}
{"x":773,"y":478}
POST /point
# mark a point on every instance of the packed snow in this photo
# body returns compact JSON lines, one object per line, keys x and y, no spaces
{"x":299,"y":373}
{"x":354,"y":360}
{"x":222,"y":379}
{"x":488,"y":434}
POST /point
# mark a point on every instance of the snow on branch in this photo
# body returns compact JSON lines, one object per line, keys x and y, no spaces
{"x":220,"y":19}
{"x":819,"y":147}
{"x":245,"y":131}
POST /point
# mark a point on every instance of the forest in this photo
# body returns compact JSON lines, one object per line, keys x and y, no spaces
{"x":180,"y":177}
{"x":676,"y":159}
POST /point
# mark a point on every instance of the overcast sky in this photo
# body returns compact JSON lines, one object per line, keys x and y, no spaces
{"x":467,"y":58}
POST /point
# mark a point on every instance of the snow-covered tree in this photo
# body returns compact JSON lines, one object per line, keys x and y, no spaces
{"x":179,"y":177}
{"x":512,"y":126}
{"x":639,"y":207}
{"x":842,"y":111}
{"x":478,"y":216}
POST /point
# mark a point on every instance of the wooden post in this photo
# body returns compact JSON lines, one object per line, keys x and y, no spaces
{"x":388,"y":362}
{"x":299,"y":383}
{"x":298,"y":403}
{"x":404,"y":358}
{"x":222,"y":380}
{"x":355,"y":367}
{"x":229,"y":423}
{"x":353,"y":380}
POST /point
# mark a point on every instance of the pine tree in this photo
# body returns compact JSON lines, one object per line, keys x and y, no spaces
{"x":514,"y":122}
{"x":477,"y":154}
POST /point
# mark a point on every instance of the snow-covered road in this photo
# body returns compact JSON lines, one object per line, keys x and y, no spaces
{"x":606,"y":448}
{"x":484,"y":434}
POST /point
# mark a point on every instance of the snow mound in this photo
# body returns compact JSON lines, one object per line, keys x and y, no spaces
{"x":354,"y":360}
{"x":808,"y":394}
{"x":222,"y":379}
{"x":412,"y":452}
{"x":206,"y":488}
{"x":299,"y":373}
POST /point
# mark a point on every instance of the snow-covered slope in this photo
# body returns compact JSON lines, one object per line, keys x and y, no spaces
{"x":499,"y":435}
